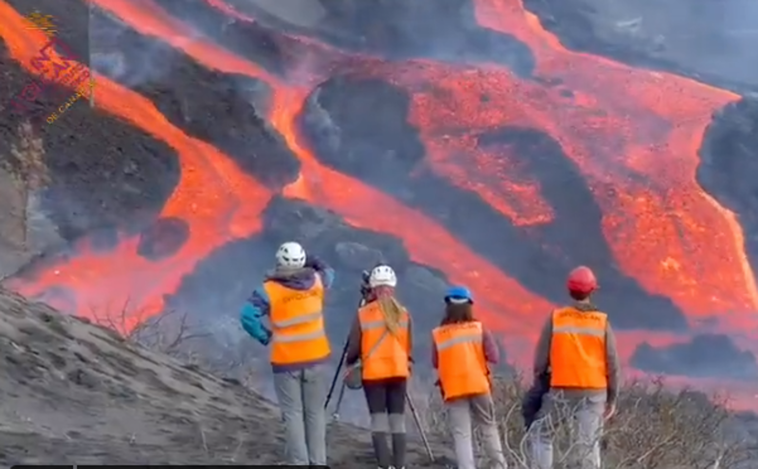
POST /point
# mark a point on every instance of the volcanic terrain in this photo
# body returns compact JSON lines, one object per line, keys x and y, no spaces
{"x":77,"y":393}
{"x":460,"y":140}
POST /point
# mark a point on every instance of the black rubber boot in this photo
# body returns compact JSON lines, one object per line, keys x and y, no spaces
{"x":381,"y":449}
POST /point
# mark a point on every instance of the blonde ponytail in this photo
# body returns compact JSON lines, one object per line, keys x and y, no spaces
{"x":392,"y":311}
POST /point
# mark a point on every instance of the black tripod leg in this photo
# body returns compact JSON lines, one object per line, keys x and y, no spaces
{"x":339,"y":367}
{"x":336,"y":375}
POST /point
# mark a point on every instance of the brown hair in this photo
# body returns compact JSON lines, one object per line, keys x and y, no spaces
{"x":392,"y":310}
{"x":458,"y":313}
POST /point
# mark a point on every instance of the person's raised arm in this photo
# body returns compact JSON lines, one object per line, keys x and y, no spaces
{"x":324,"y":271}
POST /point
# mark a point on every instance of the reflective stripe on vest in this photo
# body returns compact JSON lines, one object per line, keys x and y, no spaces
{"x":461,"y":363}
{"x":298,"y":334}
{"x":389,"y":359}
{"x":578,"y":349}
{"x":379,"y":324}
{"x":459,"y":340}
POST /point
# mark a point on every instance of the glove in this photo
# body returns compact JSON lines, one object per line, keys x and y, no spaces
{"x":314,"y":263}
{"x":267,"y":340}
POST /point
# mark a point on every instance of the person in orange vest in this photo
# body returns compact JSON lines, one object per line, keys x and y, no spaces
{"x":292,"y":297}
{"x":381,"y":339}
{"x":462,"y":352}
{"x":577,"y":350}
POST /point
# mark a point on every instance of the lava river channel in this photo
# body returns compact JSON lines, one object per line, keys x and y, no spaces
{"x":665,"y":231}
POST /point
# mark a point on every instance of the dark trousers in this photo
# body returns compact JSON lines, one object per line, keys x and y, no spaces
{"x":386,"y":404}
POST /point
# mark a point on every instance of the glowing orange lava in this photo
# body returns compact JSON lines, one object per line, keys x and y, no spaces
{"x":341,"y":193}
{"x":638,"y":132}
{"x":634,"y":135}
{"x":360,"y":205}
{"x":208,"y":197}
{"x":631,"y":130}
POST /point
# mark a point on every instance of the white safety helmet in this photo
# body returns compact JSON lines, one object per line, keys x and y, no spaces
{"x":382,"y":275}
{"x":290,"y":255}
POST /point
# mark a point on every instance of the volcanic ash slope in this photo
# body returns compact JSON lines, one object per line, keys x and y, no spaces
{"x":76,"y":393}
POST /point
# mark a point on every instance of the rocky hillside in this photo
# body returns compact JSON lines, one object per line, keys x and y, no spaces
{"x":76,"y":393}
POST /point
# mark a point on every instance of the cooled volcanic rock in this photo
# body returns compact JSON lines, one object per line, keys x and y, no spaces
{"x":356,"y":255}
{"x":263,"y":45}
{"x":93,"y":185}
{"x":709,"y":41}
{"x":729,"y":166}
{"x":163,"y":238}
{"x":322,"y":230}
{"x":704,"y":356}
{"x":360,"y":127}
{"x":444,"y":30}
{"x":73,"y":391}
{"x":226,"y":110}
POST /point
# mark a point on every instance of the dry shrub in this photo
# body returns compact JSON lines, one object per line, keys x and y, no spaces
{"x":654,"y":428}
{"x":169,"y":332}
{"x":175,"y":334}
{"x":26,"y":169}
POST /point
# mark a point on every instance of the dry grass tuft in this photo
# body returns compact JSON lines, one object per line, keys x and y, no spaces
{"x":654,"y":428}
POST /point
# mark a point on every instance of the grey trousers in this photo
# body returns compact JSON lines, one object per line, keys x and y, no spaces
{"x":301,"y":396}
{"x":584,"y":415}
{"x":479,"y":411}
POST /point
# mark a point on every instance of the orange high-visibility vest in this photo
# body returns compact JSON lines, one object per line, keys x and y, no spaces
{"x":297,"y":323}
{"x":577,"y":349}
{"x":389,"y":359}
{"x":461,"y":363}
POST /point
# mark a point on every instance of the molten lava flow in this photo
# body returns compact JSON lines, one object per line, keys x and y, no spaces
{"x":635,"y":135}
{"x":361,"y":205}
{"x":154,"y":21}
{"x":229,"y":10}
{"x":427,"y":242}
{"x":209,"y":198}
{"x":496,"y":178}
